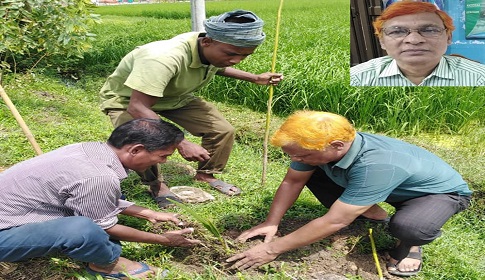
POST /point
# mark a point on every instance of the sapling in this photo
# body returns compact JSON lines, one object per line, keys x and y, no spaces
{"x":206,"y":222}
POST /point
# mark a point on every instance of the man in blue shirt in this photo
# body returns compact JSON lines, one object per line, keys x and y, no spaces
{"x":349,"y":172}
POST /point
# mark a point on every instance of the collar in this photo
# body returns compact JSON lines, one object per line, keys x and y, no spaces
{"x":193,"y":43}
{"x":102,"y":152}
{"x":351,"y":154}
{"x":443,"y":70}
{"x":389,"y":68}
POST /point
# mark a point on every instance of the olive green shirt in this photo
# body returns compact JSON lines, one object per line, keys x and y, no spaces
{"x":168,"y":69}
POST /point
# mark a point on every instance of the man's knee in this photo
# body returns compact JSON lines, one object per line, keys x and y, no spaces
{"x":413,"y":233}
{"x":227,"y":129}
{"x":119,"y":117}
{"x":82,"y":230}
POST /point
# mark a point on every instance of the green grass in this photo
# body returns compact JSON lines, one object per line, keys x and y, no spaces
{"x":314,"y":56}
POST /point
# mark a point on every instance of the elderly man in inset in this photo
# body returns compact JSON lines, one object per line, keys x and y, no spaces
{"x":415,"y":36}
{"x":160,"y":78}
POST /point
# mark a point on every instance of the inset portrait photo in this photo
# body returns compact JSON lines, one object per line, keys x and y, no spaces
{"x":417,"y":43}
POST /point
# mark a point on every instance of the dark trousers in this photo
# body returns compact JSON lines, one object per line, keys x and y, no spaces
{"x":417,"y":221}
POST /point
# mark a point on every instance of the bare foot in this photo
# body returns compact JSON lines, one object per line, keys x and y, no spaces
{"x":203,"y":177}
{"x":127,"y":267}
{"x":221,"y":186}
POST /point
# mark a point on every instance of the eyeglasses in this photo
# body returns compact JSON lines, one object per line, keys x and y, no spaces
{"x":398,"y":32}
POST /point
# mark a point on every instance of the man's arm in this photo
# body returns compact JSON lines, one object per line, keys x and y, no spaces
{"x":171,"y":238}
{"x":340,"y":215}
{"x":260,"y":79}
{"x":140,"y":105}
{"x":287,"y":193}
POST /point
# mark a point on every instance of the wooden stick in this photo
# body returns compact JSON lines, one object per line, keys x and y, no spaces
{"x":374,"y":254}
{"x":20,"y":121}
{"x":270,"y":99}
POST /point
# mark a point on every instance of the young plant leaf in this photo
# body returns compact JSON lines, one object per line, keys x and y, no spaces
{"x":208,"y":224}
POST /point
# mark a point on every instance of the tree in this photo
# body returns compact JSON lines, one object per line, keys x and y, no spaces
{"x":43,"y":30}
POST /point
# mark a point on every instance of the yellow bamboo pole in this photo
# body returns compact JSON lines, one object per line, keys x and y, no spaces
{"x":374,"y":254}
{"x":270,"y":98}
{"x":20,"y":121}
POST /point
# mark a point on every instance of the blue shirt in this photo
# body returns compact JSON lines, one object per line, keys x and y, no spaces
{"x":378,"y":168}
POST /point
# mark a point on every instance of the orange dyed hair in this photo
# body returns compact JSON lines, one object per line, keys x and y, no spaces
{"x":408,"y":7}
{"x":313,"y":130}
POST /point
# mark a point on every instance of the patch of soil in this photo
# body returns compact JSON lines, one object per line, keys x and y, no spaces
{"x":345,"y":254}
{"x":39,"y":269}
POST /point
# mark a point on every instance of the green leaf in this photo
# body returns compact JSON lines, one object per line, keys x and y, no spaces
{"x":204,"y":221}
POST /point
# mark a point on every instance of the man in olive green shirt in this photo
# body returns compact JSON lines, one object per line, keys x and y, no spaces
{"x":160,"y":78}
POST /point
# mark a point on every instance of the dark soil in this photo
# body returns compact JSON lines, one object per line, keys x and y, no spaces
{"x":346,"y":253}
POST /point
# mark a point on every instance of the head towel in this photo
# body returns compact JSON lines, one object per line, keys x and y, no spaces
{"x":239,"y":34}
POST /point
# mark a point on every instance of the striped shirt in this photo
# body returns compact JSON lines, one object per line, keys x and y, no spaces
{"x":451,"y":71}
{"x":76,"y":180}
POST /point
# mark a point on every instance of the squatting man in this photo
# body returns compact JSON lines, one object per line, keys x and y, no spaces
{"x":161,"y":78}
{"x":349,"y":172}
{"x":67,"y":201}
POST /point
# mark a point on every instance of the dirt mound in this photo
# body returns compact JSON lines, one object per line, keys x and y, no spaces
{"x":345,"y":254}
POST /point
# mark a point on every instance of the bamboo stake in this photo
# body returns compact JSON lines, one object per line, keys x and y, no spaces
{"x":374,"y":254}
{"x":270,"y":98}
{"x":20,"y":121}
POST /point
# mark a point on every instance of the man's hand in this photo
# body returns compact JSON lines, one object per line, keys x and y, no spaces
{"x":157,"y":217}
{"x":254,"y":257}
{"x":176,"y":238}
{"x":267,"y":230}
{"x":192,"y":152}
{"x":268,"y":78}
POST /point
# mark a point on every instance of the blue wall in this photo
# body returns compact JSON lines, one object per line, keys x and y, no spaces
{"x":470,"y":48}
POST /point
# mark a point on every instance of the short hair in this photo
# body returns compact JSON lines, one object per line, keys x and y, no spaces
{"x":313,"y":130}
{"x":408,"y":7}
{"x":153,"y":134}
